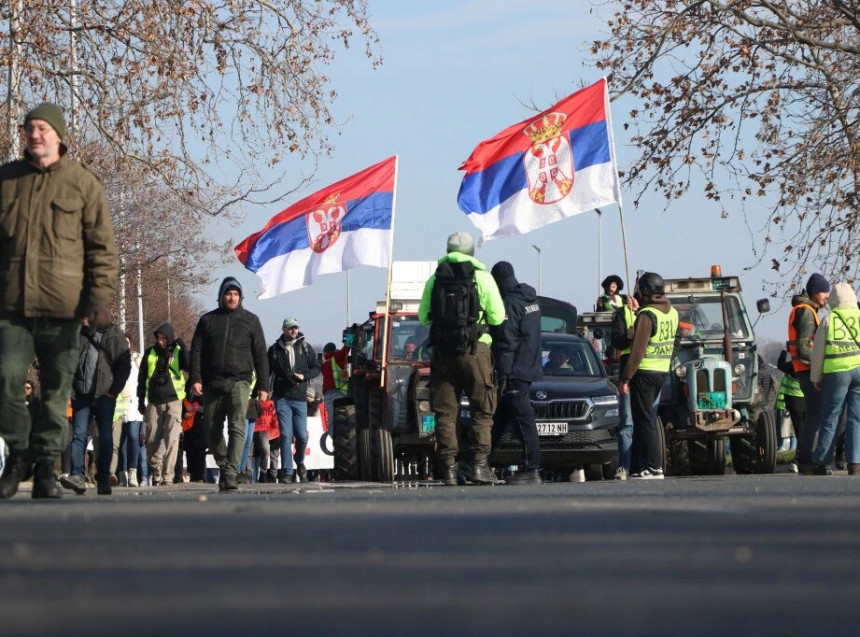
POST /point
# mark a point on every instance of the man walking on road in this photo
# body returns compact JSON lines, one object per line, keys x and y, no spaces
{"x":460,"y":302}
{"x":293,"y":363}
{"x":517,"y":353}
{"x":160,"y":390}
{"x":227,"y":350}
{"x":58,"y":263}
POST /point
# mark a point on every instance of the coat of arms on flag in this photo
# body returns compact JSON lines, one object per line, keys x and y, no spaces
{"x":549,"y":162}
{"x":324,"y":224}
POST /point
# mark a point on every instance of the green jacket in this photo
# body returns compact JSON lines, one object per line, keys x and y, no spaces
{"x":492,"y":305}
{"x":57,"y":253}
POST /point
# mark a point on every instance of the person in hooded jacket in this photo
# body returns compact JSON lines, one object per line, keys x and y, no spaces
{"x":293,"y":363}
{"x":160,"y":390}
{"x":802,"y":325}
{"x":654,"y":336}
{"x":227,"y":351}
{"x":517,"y":353}
{"x":835,"y":372}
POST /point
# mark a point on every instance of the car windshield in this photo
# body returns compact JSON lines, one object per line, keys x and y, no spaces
{"x":705,"y":315}
{"x":569,"y":358}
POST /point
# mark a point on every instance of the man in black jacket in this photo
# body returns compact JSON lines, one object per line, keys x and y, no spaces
{"x":104,"y":364}
{"x":517,"y":353}
{"x":228,"y":348}
{"x":293,"y":363}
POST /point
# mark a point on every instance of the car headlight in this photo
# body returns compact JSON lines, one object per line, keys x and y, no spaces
{"x":603,"y":401}
{"x":740,"y":368}
{"x":681,"y":372}
{"x":423,"y":405}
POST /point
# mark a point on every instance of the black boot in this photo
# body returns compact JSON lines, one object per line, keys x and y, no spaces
{"x":448,"y":474}
{"x":44,"y":483}
{"x":479,"y":473}
{"x":230,"y":483}
{"x":17,"y":468}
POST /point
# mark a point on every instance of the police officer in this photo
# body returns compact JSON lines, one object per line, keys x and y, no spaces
{"x":642,"y":377}
{"x":460,"y":301}
{"x":517,"y":354}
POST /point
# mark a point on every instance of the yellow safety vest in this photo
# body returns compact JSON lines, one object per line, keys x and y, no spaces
{"x":842,"y":350}
{"x":173,"y":369}
{"x":658,"y":353}
{"x":341,"y":381}
{"x":629,"y":320}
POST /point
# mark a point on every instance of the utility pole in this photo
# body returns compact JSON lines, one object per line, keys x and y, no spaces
{"x":13,"y":90}
{"x":539,"y":266}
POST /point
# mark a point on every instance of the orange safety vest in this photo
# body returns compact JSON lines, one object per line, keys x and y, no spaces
{"x":796,"y":363}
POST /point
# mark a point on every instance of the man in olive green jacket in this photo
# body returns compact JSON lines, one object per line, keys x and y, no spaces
{"x":58,"y":264}
{"x":461,"y":360}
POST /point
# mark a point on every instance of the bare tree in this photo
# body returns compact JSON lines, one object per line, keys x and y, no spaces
{"x":175,"y":85}
{"x":753,"y":99}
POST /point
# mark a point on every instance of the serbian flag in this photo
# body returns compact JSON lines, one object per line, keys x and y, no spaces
{"x":337,"y":228}
{"x":544,"y":169}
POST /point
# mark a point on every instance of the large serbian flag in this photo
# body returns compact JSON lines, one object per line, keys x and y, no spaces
{"x":544,"y":169}
{"x":337,"y":228}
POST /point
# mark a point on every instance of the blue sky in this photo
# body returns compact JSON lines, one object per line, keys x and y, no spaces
{"x":455,"y":73}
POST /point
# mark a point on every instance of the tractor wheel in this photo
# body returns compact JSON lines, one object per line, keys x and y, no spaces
{"x":365,"y":455}
{"x":717,"y":456}
{"x":383,"y":455}
{"x":681,"y":457}
{"x":765,"y":440}
{"x":345,"y":444}
{"x":662,"y":446}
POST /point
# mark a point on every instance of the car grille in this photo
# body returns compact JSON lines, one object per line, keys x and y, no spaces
{"x":561,"y":409}
{"x":570,"y":440}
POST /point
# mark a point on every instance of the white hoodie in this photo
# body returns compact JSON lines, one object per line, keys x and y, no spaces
{"x":841,"y":296}
{"x":130,"y":391}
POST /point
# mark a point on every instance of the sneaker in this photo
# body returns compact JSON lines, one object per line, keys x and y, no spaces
{"x":634,"y":473}
{"x":284,"y":477}
{"x":74,"y":482}
{"x":793,"y":467}
{"x":123,"y":478}
{"x":621,"y":473}
{"x":821,"y":470}
{"x":113,"y":480}
{"x":230,"y":483}
{"x":132,"y":477}
{"x":650,"y":474}
{"x":840,"y":461}
{"x":243,"y":478}
{"x":271,"y":476}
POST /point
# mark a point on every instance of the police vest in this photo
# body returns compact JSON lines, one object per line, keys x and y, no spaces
{"x":796,"y":363}
{"x":629,"y":320}
{"x":172,"y":368}
{"x":842,"y":350}
{"x":658,"y":353}
{"x":339,"y":374}
{"x":789,"y":386}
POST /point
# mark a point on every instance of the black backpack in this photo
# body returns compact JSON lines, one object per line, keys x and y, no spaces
{"x":454,"y":309}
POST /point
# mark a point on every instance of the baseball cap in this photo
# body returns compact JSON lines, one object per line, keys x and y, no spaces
{"x":291,"y":322}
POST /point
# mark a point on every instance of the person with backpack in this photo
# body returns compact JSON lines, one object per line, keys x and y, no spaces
{"x":293,"y":363}
{"x":460,"y":302}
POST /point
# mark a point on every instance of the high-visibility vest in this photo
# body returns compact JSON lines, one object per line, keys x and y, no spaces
{"x":842,"y":351}
{"x":172,"y":368}
{"x":121,"y":406}
{"x":658,"y":353}
{"x":796,"y":363}
{"x":789,"y":386}
{"x":341,"y":380}
{"x":629,"y":320}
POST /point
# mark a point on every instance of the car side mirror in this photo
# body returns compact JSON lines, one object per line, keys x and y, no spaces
{"x":763,"y":306}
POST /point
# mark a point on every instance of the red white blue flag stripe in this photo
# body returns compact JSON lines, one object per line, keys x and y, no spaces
{"x":334,"y":229}
{"x":546,"y":168}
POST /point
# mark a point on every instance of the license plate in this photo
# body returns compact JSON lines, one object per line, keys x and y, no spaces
{"x":552,"y":428}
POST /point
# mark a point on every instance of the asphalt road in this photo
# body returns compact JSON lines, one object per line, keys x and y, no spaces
{"x":733,"y":555}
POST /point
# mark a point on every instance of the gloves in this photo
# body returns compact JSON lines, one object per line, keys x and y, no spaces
{"x":503,"y":384}
{"x":141,"y":406}
{"x":180,"y":343}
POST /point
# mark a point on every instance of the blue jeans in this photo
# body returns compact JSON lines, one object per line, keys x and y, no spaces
{"x":625,"y":430}
{"x":292,"y":421}
{"x":129,"y":445}
{"x":101,"y":408}
{"x":249,"y":441}
{"x":838,"y":390}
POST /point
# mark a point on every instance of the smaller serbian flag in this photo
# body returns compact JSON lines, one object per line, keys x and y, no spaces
{"x":544,"y":169}
{"x":337,"y":228}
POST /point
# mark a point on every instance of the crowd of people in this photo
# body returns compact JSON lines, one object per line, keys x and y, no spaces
{"x":58,"y":271}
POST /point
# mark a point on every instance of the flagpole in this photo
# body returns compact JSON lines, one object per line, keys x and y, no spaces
{"x":384,"y":368}
{"x":599,"y":246}
{"x":348,"y":312}
{"x":630,"y":281}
